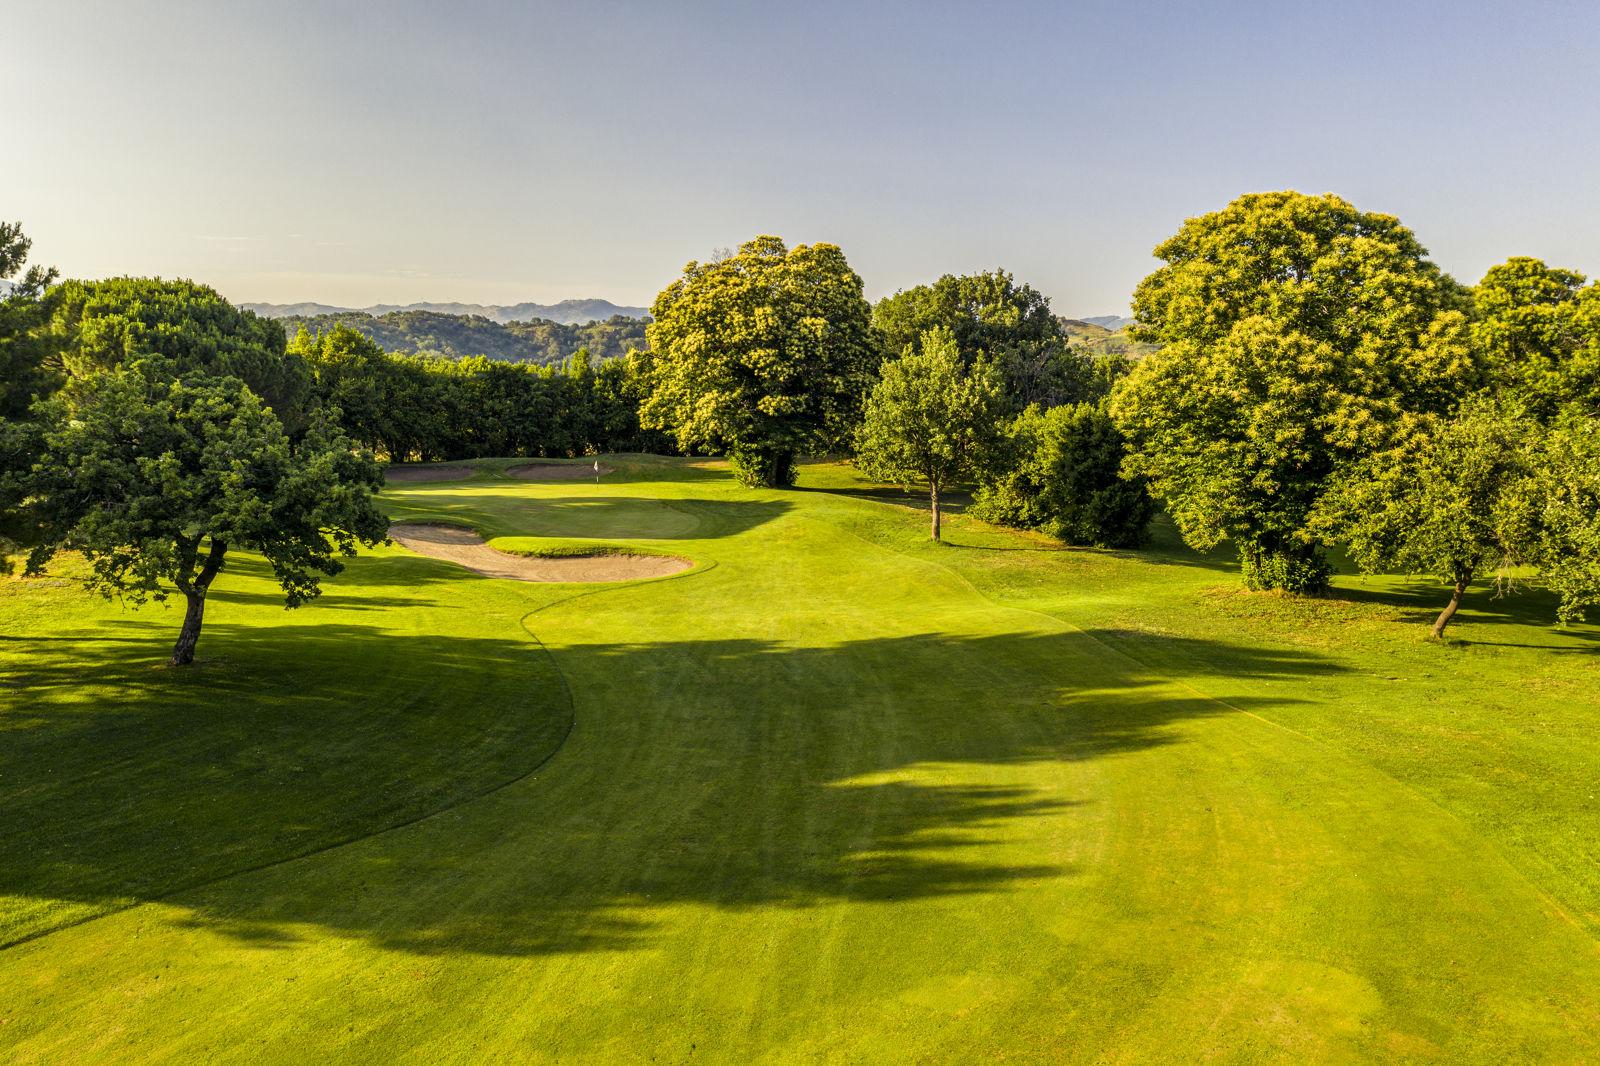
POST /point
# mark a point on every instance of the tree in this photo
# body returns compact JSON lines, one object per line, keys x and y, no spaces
{"x":25,"y":355}
{"x":992,"y":317}
{"x":767,"y":353}
{"x":1295,"y":330}
{"x":1450,"y":497}
{"x":185,"y":429}
{"x":352,"y":376}
{"x":1063,"y":476}
{"x":155,"y":480}
{"x":984,"y":312}
{"x":1539,"y":327}
{"x":930,"y":418}
{"x":621,"y":386}
{"x":180,"y":329}
{"x":1564,"y":506}
{"x":27,"y":374}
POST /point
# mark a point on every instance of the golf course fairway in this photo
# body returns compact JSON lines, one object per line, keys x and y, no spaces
{"x":835,"y":793}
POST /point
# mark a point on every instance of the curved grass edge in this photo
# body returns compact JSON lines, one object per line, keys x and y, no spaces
{"x":569,"y":706}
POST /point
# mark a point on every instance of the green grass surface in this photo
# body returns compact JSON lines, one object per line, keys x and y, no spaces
{"x":836,"y":794}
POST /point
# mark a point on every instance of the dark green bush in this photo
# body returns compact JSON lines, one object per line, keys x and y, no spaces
{"x":1063,"y":476}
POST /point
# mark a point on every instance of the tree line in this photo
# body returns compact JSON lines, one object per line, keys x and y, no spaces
{"x":423,"y":408}
{"x":451,"y":336}
{"x":1313,"y":383}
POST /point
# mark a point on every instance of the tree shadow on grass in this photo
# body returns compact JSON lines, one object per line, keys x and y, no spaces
{"x":123,"y":778}
{"x":1164,"y":547}
{"x":1418,"y":602}
{"x":732,"y":774}
{"x":951,"y":501}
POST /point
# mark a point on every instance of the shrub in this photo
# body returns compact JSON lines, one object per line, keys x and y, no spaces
{"x":1064,"y":478}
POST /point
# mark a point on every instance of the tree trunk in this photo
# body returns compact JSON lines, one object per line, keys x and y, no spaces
{"x":933,"y":498}
{"x":194,"y":592}
{"x":189,"y":635}
{"x":1462,"y":581}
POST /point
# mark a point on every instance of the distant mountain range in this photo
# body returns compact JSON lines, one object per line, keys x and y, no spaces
{"x":567,"y":312}
{"x":1111,"y":322}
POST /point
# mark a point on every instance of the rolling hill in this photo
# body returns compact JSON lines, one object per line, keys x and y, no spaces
{"x":1100,"y":339}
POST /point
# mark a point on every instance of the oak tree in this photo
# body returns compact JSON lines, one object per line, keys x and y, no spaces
{"x":186,"y":430}
{"x":1294,"y":331}
{"x":154,"y":480}
{"x":930,"y":418}
{"x":993,"y":317}
{"x":766,"y":353}
{"x":1449,"y":497}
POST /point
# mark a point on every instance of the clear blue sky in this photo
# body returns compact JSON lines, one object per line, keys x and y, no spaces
{"x":357,"y":152}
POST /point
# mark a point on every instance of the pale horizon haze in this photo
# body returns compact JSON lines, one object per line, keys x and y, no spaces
{"x":351,"y":153}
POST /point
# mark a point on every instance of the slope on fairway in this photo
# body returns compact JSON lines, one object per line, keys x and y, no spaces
{"x":844,"y":795}
{"x":402,"y":690}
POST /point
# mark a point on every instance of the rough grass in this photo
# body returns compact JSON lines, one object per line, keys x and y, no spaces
{"x":839,"y":794}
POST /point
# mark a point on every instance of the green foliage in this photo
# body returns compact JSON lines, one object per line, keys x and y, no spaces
{"x":1442,"y":499}
{"x":993,"y":317}
{"x":1294,"y":331}
{"x":1540,"y":329}
{"x":931,"y":418}
{"x":355,"y":378}
{"x":1298,"y":569}
{"x":1064,"y":477}
{"x":761,"y":466}
{"x":1565,"y":499}
{"x":142,"y":473}
{"x":178,"y":329}
{"x":1448,"y":497}
{"x":25,"y":355}
{"x":767,"y":353}
{"x":28,"y":373}
{"x":986,"y":313}
{"x":185,"y":429}
{"x":619,"y":390}
{"x":461,"y":336}
{"x":419,"y":407}
{"x":14,"y":249}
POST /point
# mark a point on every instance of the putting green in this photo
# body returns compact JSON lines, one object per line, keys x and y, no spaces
{"x":837,"y":793}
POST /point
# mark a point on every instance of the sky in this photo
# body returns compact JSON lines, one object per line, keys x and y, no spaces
{"x":360,"y":152}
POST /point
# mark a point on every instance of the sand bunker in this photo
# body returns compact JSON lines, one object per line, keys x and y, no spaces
{"x":468,"y":549}
{"x":427,"y":473}
{"x":557,"y":471}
